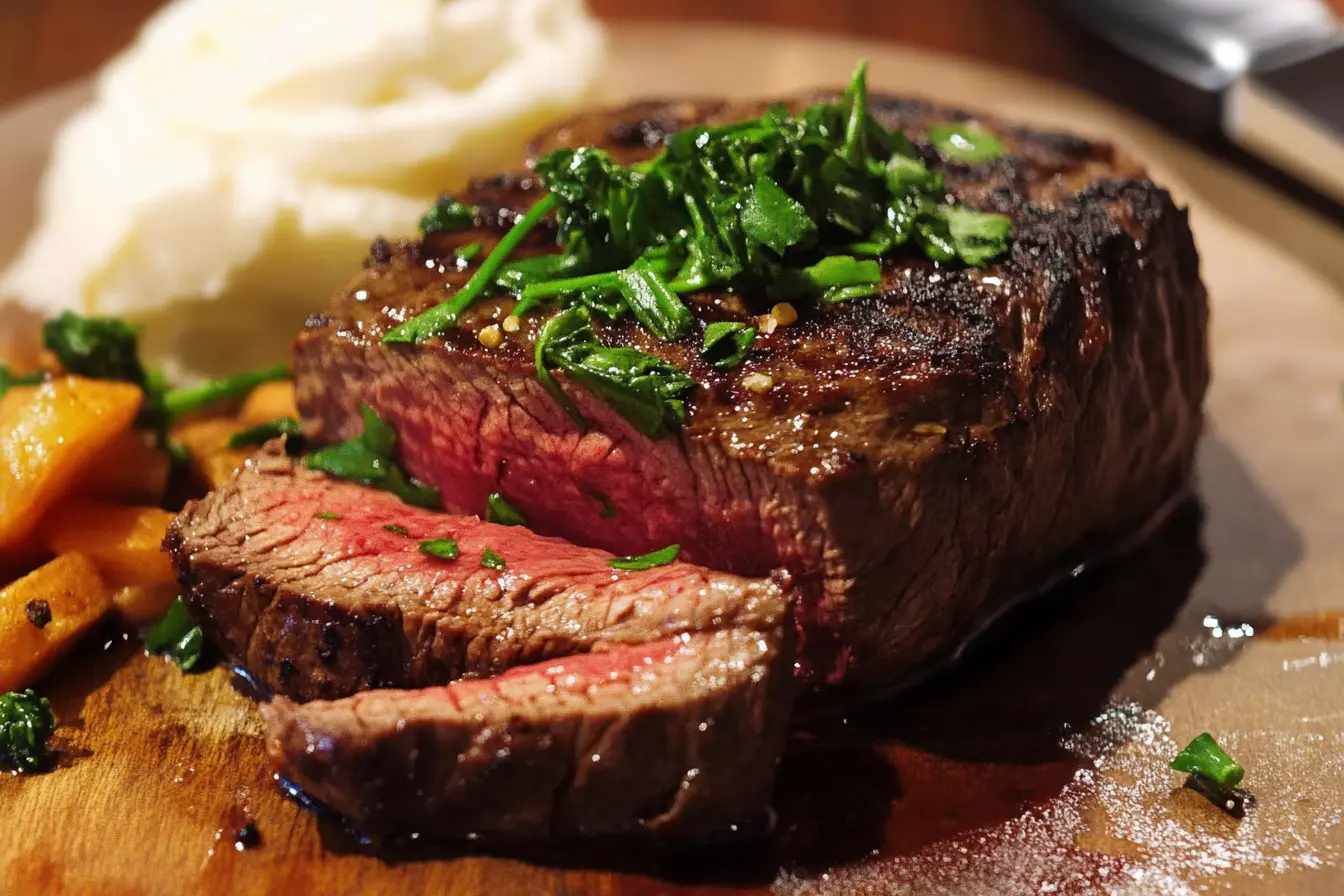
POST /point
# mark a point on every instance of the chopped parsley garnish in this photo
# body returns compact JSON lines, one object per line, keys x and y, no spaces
{"x":442,"y":548}
{"x":491,"y":560}
{"x":326,"y":515}
{"x":178,"y":637}
{"x":264,"y":432}
{"x":498,"y":510}
{"x":785,"y":206}
{"x":1202,"y":756}
{"x":367,"y":459}
{"x":466,"y":253}
{"x":26,"y":724}
{"x":647,"y":561}
{"x":189,"y":399}
{"x":396,"y":530}
{"x":965,"y":142}
{"x":447,"y":215}
{"x":647,"y":391}
{"x":727,"y":343}
{"x":608,"y":506}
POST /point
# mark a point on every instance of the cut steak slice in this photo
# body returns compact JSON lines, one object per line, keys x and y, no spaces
{"x":318,"y":588}
{"x":921,"y":457}
{"x":677,"y":738}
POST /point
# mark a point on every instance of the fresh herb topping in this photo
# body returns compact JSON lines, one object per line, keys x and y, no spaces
{"x":104,"y":348}
{"x":367,"y":459}
{"x":647,"y":391}
{"x":788,"y":207}
{"x":491,"y":560}
{"x":443,"y":548}
{"x":9,"y":380}
{"x":396,"y":530}
{"x":326,"y":515}
{"x":498,"y":510}
{"x":190,"y":399}
{"x":178,"y":637}
{"x":647,"y":561}
{"x":26,"y":724}
{"x":965,"y":143}
{"x":446,"y":216}
{"x":1202,"y":756}
{"x":727,"y":343}
{"x":264,"y":432}
{"x":608,"y":506}
{"x":466,"y":253}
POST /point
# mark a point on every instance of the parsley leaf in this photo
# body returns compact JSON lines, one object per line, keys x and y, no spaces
{"x":491,"y":560}
{"x":647,"y":561}
{"x":178,"y":637}
{"x":26,"y":724}
{"x":367,"y":459}
{"x":965,"y":143}
{"x":264,"y":432}
{"x":727,"y":343}
{"x":189,"y":399}
{"x":9,"y":380}
{"x":442,"y":548}
{"x":395,"y":529}
{"x":447,"y":215}
{"x":498,"y":510}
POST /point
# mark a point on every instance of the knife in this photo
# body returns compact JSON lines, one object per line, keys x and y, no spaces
{"x":1271,"y":71}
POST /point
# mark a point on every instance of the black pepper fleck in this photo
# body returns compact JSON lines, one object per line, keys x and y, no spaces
{"x":38,"y":613}
{"x":248,"y":836}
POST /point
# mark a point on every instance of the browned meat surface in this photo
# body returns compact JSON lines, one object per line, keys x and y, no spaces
{"x":676,"y":738}
{"x":922,"y":455}
{"x":300,"y":581}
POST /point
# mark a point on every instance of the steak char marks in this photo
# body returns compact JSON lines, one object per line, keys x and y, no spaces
{"x":920,"y":458}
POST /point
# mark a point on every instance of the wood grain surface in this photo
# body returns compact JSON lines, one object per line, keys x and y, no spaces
{"x":46,"y":42}
{"x":1040,"y":761}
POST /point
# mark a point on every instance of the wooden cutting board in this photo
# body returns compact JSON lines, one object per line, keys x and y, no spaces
{"x":1036,"y":766}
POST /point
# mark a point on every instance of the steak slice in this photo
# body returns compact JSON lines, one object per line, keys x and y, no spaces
{"x":921,"y":457}
{"x":677,"y":738}
{"x":299,"y":580}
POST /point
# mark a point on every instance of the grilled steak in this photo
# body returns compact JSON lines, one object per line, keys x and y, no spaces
{"x":299,"y":580}
{"x":919,"y":457}
{"x":675,"y":738}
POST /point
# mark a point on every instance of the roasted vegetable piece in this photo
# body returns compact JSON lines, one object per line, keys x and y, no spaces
{"x":50,"y":437}
{"x":269,"y":401}
{"x":75,"y":597}
{"x":207,"y":444}
{"x":123,"y":542}
{"x":133,"y":470}
{"x":26,"y":723}
{"x":144,"y":604}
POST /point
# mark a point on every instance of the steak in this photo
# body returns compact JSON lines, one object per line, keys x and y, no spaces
{"x":319,"y":590}
{"x":917,"y":459}
{"x":676,"y":738}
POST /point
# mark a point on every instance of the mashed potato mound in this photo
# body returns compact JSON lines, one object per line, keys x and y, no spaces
{"x":240,"y":155}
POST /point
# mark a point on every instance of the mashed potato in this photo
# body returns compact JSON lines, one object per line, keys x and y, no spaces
{"x":241,"y":154}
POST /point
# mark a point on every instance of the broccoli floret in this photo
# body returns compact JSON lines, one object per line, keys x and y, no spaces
{"x":26,"y":723}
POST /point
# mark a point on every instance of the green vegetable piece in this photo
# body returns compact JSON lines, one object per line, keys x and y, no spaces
{"x":326,"y":515}
{"x":491,"y":560}
{"x":26,"y":724}
{"x":608,"y":506}
{"x":264,"y":432}
{"x":856,"y":123}
{"x":186,"y":400}
{"x":9,"y":380}
{"x":395,"y":529}
{"x":948,"y":233}
{"x":965,"y":143}
{"x":439,"y":318}
{"x":442,"y":548}
{"x":178,"y":637}
{"x":647,"y":391}
{"x":466,"y":253}
{"x":447,"y":215}
{"x":104,"y":348}
{"x":367,"y":459}
{"x":774,"y":218}
{"x":498,"y":510}
{"x":654,"y":304}
{"x":727,"y":343}
{"x":647,"y":561}
{"x":1203,"y":757}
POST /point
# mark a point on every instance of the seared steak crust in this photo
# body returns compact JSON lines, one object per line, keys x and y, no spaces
{"x":677,"y":738}
{"x":300,"y":581}
{"x":922,"y":455}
